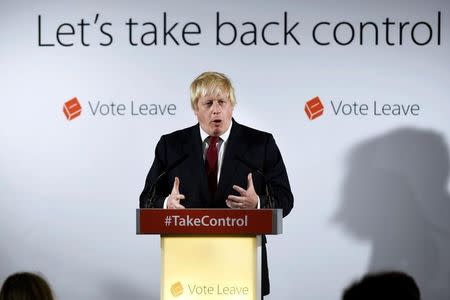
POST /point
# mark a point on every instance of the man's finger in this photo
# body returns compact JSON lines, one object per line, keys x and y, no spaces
{"x":179,"y":197}
{"x":232,"y":204}
{"x":236,"y":199}
{"x":228,"y":203}
{"x":176,"y":205}
{"x":239,"y":190}
{"x":176,"y":198}
{"x":249,"y":181}
{"x":176,"y":186}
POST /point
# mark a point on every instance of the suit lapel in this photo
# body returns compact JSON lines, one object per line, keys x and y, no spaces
{"x":193,"y":147}
{"x":235,"y":146}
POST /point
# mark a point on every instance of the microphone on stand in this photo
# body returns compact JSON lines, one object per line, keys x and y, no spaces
{"x":269,"y":203}
{"x":151,"y":200}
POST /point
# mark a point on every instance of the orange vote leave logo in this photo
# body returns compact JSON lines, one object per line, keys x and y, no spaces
{"x":176,"y":289}
{"x":72,"y":108}
{"x":314,"y":108}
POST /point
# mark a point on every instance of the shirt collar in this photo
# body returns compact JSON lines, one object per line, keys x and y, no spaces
{"x":224,"y":136}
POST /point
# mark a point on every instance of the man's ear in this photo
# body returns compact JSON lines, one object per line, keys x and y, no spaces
{"x":195,"y":110}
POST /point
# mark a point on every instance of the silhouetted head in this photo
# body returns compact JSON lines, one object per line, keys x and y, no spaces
{"x":383,"y":286}
{"x":389,"y":178}
{"x":25,"y":286}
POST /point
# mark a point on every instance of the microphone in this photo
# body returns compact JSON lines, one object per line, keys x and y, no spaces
{"x":151,"y":200}
{"x":269,"y":199}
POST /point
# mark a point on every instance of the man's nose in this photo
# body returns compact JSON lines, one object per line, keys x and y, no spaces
{"x":216,"y":108}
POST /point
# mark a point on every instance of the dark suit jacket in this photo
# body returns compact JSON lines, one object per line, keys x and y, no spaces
{"x":180,"y":154}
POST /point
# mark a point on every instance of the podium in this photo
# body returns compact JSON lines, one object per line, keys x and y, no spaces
{"x":210,"y":253}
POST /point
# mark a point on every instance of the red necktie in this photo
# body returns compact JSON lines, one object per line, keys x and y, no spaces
{"x":211,"y":165}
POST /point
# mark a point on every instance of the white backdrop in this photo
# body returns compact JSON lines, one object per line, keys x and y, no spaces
{"x":371,"y":192}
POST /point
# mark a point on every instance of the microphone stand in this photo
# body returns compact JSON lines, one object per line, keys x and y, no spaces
{"x":269,"y":201}
{"x":151,"y":200}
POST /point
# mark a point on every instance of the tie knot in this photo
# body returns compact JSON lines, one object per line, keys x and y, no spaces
{"x":213,"y":140}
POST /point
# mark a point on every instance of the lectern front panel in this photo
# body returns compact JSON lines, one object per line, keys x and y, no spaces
{"x":210,"y":267}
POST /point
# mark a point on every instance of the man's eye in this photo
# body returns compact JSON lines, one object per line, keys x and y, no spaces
{"x":208,"y":103}
{"x":221,"y":102}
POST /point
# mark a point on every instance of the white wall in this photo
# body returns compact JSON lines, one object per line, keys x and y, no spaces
{"x":370,"y":192}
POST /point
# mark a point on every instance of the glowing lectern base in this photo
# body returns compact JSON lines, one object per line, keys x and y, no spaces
{"x":210,"y":267}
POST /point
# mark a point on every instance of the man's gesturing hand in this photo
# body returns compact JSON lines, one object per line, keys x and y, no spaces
{"x":247,"y":199}
{"x":173,"y":202}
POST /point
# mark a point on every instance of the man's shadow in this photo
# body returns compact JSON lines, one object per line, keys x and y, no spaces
{"x":395,"y":196}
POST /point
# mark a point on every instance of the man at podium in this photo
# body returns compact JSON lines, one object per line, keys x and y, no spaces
{"x":218,"y":163}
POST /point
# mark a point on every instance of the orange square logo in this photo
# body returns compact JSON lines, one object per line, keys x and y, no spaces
{"x":72,"y":109}
{"x":314,"y":108}
{"x":176,"y":289}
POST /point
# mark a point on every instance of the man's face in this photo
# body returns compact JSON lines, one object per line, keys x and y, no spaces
{"x":214,"y":114}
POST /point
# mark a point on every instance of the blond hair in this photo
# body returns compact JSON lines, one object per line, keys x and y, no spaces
{"x":211,"y":84}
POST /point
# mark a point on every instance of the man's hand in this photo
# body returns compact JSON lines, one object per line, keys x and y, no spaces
{"x":247,"y":199}
{"x":173,"y":202}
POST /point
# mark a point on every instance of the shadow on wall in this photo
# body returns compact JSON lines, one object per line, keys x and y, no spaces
{"x":116,"y":289}
{"x":395,"y":196}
